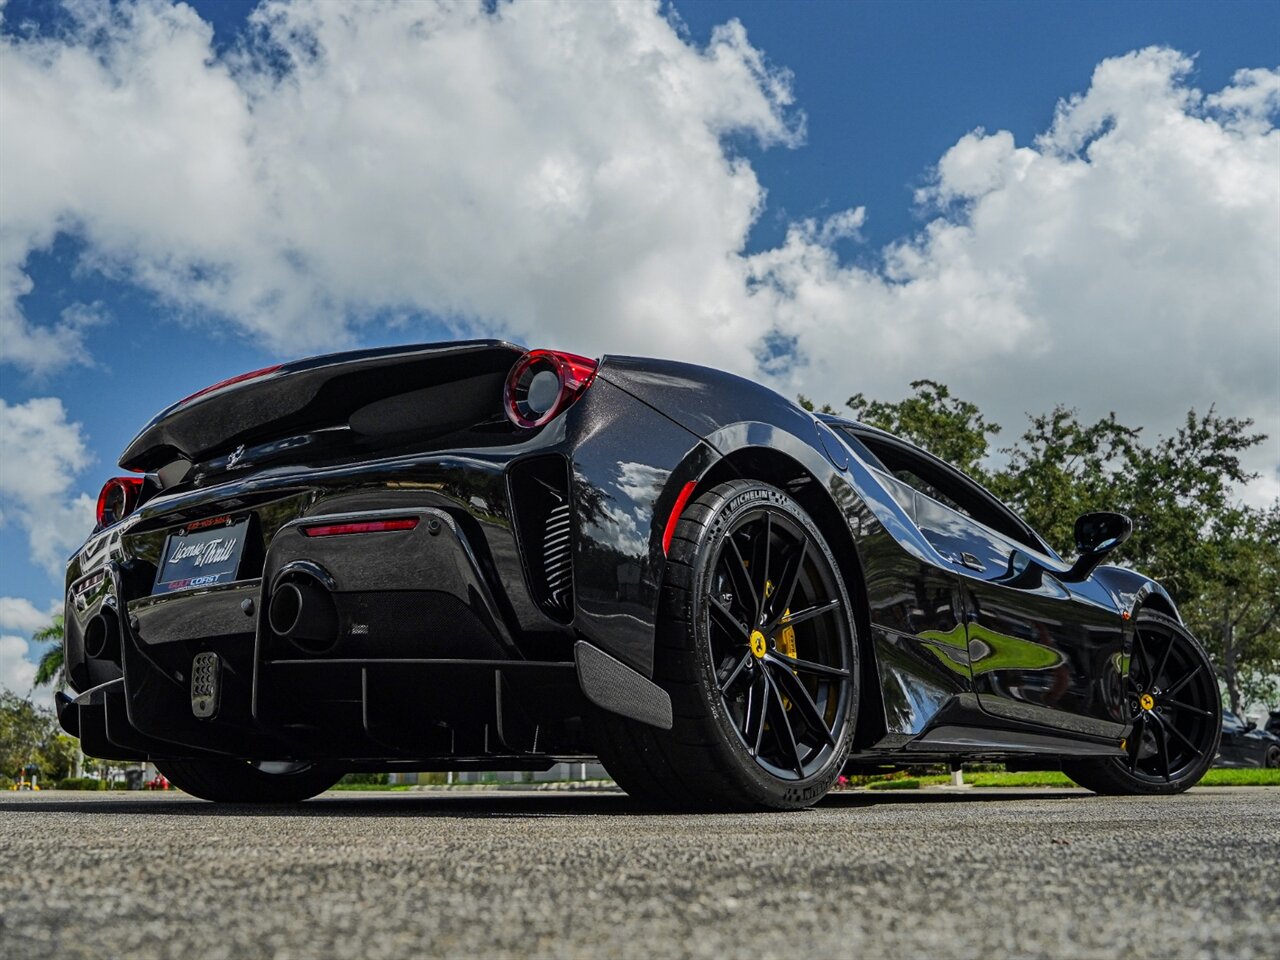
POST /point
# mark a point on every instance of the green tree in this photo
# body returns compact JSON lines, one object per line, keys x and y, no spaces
{"x":30,"y":734}
{"x":51,"y":668}
{"x":1180,"y":492}
{"x":1217,"y":558}
{"x":950,"y":428}
{"x":1061,"y":468}
{"x":809,"y":405}
{"x":57,"y":756}
{"x":24,"y":729}
{"x":1236,"y":610}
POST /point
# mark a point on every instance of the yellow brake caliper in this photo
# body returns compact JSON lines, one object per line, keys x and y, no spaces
{"x":786,"y":639}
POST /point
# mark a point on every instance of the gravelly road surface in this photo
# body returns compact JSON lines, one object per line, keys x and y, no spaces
{"x":966,"y":874}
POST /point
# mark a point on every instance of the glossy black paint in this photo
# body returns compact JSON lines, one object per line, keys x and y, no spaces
{"x":449,"y":649}
{"x":1244,"y":745}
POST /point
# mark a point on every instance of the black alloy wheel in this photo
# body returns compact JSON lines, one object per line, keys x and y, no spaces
{"x":757,"y":646}
{"x":1272,"y":758}
{"x":1173,"y":705}
{"x":778,"y":634}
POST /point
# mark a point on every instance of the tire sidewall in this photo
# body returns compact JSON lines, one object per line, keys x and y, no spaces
{"x":758,"y":784}
{"x":1117,"y":767}
{"x":237,"y":781}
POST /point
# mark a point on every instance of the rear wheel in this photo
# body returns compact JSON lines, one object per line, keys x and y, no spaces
{"x":242,"y":781}
{"x":1176,"y":711}
{"x":756,"y":646}
{"x":1273,"y":757}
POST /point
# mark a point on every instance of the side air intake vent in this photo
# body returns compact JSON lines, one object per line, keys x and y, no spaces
{"x":543,"y":515}
{"x":557,"y":557}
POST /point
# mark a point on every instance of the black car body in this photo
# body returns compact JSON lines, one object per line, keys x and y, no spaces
{"x":457,"y":556}
{"x":1244,"y":745}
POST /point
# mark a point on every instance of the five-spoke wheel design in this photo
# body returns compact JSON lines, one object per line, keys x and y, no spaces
{"x":780,"y":643}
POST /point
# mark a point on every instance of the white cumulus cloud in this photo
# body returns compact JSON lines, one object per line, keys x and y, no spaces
{"x":552,"y":170}
{"x":558,"y":172}
{"x":17,"y":673}
{"x":21,"y":615}
{"x":40,"y":455}
{"x":1128,"y":259}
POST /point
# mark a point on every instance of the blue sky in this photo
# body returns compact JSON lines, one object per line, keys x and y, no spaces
{"x":882,"y":92}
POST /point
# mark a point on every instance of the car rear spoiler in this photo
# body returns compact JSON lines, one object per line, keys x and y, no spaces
{"x":432,"y":388}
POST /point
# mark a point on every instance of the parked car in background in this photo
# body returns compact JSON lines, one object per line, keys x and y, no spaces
{"x":1244,"y":745}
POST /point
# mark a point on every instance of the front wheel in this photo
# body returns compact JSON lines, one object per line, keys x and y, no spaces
{"x":243,"y":781}
{"x":756,"y":646}
{"x":1176,"y":712}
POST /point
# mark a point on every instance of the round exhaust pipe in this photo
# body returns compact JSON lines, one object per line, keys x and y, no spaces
{"x":102,"y":637}
{"x":304,"y":612}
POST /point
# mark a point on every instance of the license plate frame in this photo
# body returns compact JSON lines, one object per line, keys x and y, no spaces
{"x":205,"y":553}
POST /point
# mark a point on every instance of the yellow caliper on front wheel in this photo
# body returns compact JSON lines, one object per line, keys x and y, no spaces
{"x":786,"y":639}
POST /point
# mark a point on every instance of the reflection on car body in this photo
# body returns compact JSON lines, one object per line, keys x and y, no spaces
{"x":473,"y":556}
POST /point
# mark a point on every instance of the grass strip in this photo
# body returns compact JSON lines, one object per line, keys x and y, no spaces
{"x":1217,"y":777}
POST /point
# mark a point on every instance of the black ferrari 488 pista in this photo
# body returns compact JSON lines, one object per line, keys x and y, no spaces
{"x":472,"y":556}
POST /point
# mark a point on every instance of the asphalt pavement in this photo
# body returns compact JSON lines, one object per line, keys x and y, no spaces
{"x":977,"y":873}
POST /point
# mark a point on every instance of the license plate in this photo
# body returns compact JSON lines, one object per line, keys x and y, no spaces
{"x":203,"y":554}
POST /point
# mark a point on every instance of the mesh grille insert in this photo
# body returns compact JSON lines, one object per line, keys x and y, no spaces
{"x":544,"y":526}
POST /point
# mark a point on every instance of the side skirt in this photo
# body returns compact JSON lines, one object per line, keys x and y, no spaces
{"x":962,"y":730}
{"x":967,"y":740}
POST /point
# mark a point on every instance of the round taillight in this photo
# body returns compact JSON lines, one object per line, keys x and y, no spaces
{"x":542,"y":384}
{"x":118,"y":499}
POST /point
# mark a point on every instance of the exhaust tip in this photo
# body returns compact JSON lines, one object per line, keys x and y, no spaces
{"x":102,"y":638}
{"x":303,"y":612}
{"x":286,"y":605}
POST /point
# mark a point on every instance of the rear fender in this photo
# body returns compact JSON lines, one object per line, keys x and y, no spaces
{"x":781,"y":444}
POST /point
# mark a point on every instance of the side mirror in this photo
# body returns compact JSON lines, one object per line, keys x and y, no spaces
{"x":1097,"y":534}
{"x":1249,"y":725}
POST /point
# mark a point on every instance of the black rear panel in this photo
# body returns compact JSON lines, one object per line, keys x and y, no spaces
{"x":315,"y":409}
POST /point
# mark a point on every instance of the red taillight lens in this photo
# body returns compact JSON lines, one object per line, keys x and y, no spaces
{"x":118,"y":499}
{"x":251,"y":375}
{"x":360,"y":526}
{"x":542,"y":384}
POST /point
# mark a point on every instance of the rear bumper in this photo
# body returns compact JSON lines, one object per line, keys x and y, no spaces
{"x":449,"y":640}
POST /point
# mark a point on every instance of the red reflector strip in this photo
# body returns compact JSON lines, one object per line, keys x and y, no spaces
{"x":685,"y":493}
{"x":363,"y":526}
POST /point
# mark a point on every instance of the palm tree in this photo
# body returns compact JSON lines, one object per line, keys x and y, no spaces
{"x":52,"y":668}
